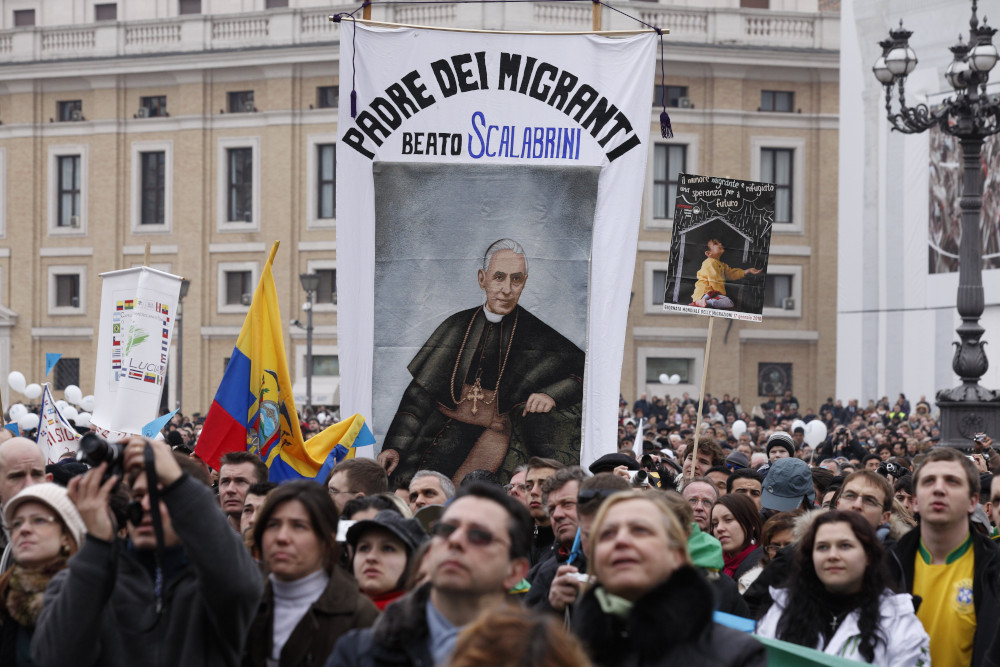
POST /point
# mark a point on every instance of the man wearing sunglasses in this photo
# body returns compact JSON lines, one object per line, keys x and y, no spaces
{"x":478,"y":551}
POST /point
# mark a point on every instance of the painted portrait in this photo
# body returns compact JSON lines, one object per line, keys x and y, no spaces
{"x":481,"y":292}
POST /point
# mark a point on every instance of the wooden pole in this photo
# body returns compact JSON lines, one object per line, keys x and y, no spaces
{"x":366,"y":13}
{"x":146,"y":260}
{"x":596,"y":15}
{"x":701,"y":397}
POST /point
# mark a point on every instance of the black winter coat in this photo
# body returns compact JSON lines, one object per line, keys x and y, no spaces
{"x":670,"y":625}
{"x":399,"y":637}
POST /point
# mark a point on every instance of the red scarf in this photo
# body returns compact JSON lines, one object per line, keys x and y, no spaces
{"x":385,"y":599}
{"x":733,"y":562}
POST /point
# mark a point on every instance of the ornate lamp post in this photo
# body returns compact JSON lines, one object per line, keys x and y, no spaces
{"x":971,"y":116}
{"x":310,"y":283}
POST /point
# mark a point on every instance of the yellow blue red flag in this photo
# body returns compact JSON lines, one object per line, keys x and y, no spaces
{"x":254,"y":408}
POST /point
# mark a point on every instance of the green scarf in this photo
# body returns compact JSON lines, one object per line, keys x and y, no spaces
{"x":612,"y":604}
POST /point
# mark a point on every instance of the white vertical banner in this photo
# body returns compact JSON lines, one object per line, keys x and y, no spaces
{"x":56,"y":436}
{"x":137,"y":322}
{"x":462,"y":141}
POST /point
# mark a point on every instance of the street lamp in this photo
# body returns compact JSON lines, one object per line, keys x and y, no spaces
{"x":971,"y":116}
{"x":310,"y":283}
{"x":185,"y":286}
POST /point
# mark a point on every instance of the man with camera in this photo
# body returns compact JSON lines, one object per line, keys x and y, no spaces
{"x":182,"y":591}
{"x":841,"y":443}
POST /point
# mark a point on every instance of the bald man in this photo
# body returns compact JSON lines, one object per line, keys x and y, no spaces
{"x":22,"y":464}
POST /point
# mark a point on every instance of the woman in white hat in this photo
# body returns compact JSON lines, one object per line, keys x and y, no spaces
{"x":45,"y":530}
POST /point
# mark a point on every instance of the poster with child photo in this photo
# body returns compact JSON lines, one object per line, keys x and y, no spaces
{"x":719,"y":248}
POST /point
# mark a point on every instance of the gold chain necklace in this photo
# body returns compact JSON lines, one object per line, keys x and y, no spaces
{"x":476,"y":393}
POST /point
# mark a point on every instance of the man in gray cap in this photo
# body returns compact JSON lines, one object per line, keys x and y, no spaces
{"x":788,"y":486}
{"x":780,"y":445}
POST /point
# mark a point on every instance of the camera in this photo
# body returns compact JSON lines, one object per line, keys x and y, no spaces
{"x":95,"y":450}
{"x":639,"y":477}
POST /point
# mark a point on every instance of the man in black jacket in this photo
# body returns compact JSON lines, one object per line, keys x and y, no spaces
{"x":952,"y":568}
{"x":479,"y":551}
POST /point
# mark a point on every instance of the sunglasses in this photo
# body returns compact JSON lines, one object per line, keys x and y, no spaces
{"x":477,"y":537}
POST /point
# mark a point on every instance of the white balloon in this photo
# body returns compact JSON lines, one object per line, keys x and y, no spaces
{"x":70,"y":413}
{"x":675,"y":379}
{"x":16,"y":381}
{"x":82,"y":419}
{"x":87,"y":403}
{"x":33,"y":390}
{"x":815,"y":432}
{"x":73,"y":394}
{"x":28,"y":422}
{"x":17,"y":411}
{"x":739,"y":428}
{"x":61,"y":405}
{"x":664,"y":378}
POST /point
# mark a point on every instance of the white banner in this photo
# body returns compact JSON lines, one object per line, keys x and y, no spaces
{"x":137,"y":322}
{"x":461,"y":140}
{"x":56,"y":436}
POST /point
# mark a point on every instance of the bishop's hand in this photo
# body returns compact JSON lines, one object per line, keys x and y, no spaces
{"x":388,"y":459}
{"x":538,"y":403}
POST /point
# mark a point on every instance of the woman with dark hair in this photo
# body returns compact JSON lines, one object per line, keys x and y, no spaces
{"x":736,"y":524}
{"x":382,"y":554}
{"x":308,"y":602}
{"x":838,"y":600}
{"x":777,"y":533}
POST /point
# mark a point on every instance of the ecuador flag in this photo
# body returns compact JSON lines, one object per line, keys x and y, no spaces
{"x":254,"y":409}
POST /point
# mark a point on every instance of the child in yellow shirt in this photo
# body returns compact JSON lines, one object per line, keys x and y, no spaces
{"x":710,"y":288}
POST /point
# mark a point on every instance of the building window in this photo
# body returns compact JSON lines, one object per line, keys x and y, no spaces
{"x":66,"y":372}
{"x":67,"y":290}
{"x":657,"y":366}
{"x":240,"y":180}
{"x":276,"y":4}
{"x":326,"y":365}
{"x":326,"y":293}
{"x":773,"y":378}
{"x":68,"y":191}
{"x":69,"y":110}
{"x":777,"y":100}
{"x":189,"y":7}
{"x":241,"y":101}
{"x":328,"y":97}
{"x":677,"y":96}
{"x":107,"y":11}
{"x":776,"y":166}
{"x":778,"y":291}
{"x":239,"y":288}
{"x":153,"y":107}
{"x":669,"y":161}
{"x":659,"y":287}
{"x":24,"y":18}
{"x":153,"y":166}
{"x":755,"y":4}
{"x":326,"y":177}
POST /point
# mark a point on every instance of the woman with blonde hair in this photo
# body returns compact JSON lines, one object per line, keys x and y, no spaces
{"x":643,"y":583}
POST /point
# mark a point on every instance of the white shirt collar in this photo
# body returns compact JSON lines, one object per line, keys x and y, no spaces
{"x":491,"y":316}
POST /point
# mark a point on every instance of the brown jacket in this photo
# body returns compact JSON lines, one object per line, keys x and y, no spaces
{"x":340,"y":608}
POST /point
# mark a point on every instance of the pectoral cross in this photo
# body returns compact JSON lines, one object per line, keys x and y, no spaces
{"x":476,"y":394}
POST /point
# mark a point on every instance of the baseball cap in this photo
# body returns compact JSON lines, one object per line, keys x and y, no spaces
{"x":408,"y":531}
{"x":788,"y":482}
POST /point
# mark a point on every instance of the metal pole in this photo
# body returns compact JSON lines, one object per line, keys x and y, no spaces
{"x":309,"y":352}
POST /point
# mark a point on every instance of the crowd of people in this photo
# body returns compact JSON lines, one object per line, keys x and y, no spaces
{"x":872,"y":545}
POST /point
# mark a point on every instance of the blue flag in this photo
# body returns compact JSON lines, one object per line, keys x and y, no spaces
{"x":13,"y":428}
{"x":51,"y":358}
{"x":152,"y":428}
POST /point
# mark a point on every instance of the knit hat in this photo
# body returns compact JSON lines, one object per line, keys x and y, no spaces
{"x":780,"y":439}
{"x":58,"y":500}
{"x":789,"y":481}
{"x":407,"y":531}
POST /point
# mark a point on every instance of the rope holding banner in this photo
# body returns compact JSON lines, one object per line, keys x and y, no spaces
{"x":666,"y":131}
